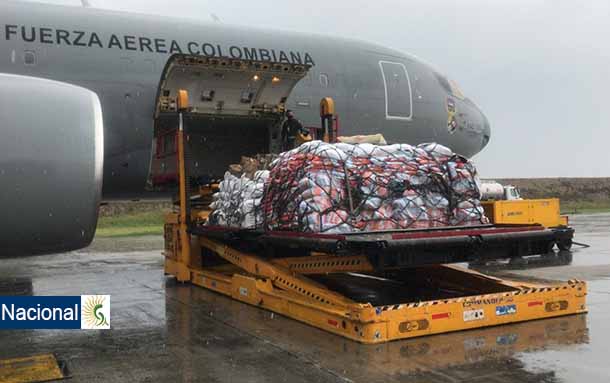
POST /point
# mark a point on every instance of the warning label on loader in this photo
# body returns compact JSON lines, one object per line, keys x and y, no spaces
{"x":472,"y":315}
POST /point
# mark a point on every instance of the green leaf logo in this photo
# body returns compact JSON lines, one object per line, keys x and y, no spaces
{"x":92,"y":313}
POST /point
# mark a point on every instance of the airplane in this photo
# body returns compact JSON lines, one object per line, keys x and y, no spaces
{"x":118,"y":57}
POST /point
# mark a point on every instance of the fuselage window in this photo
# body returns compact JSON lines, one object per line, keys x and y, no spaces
{"x":323,"y":80}
{"x":397,"y":85}
{"x":29,"y":58}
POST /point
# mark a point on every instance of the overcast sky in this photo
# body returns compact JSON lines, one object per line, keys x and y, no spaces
{"x":539,"y":69}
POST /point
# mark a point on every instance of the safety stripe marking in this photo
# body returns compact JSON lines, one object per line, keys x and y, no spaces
{"x":522,"y":291}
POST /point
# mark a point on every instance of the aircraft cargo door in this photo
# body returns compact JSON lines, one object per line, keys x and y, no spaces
{"x":397,"y":85}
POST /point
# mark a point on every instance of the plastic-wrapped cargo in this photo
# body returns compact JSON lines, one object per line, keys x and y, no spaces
{"x":344,"y":188}
{"x":338,"y":188}
{"x":237,"y":204}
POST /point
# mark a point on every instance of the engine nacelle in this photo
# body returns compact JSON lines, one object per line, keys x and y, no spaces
{"x":51,"y":160}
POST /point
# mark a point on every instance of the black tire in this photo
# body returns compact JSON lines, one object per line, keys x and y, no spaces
{"x":564,"y":244}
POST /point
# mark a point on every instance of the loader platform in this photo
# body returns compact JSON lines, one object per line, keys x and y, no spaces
{"x":345,"y":295}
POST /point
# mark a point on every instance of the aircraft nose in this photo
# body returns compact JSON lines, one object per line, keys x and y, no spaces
{"x":486,"y":130}
{"x":477,"y":124}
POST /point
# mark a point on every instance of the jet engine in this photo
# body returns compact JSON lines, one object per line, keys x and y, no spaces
{"x":51,"y":159}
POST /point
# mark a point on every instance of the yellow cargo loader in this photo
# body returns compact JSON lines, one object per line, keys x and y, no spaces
{"x":545,"y":212}
{"x":370,"y":287}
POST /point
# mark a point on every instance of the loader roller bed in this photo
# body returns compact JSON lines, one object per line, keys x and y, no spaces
{"x":400,"y":248}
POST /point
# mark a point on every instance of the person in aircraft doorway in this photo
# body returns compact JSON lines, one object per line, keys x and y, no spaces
{"x":293,"y":132}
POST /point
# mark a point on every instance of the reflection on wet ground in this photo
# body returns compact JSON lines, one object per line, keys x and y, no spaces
{"x":593,"y":230}
{"x":163,"y":331}
{"x":460,"y":356}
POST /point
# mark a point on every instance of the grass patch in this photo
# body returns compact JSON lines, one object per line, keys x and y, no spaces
{"x":132,"y":224}
{"x":584,"y":207}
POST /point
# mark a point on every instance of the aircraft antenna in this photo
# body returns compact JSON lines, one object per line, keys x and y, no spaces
{"x":85,"y":3}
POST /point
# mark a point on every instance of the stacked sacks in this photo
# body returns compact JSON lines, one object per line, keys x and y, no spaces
{"x":251,"y":197}
{"x":237,"y":203}
{"x":337,"y":188}
{"x":307,"y":190}
{"x":226,"y":202}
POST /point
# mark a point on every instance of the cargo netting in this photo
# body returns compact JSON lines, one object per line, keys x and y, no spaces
{"x":344,"y":188}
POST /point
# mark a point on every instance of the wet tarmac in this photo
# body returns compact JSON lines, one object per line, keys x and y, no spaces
{"x":166,"y":332}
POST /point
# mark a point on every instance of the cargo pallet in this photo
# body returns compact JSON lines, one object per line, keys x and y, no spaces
{"x":368,"y":287}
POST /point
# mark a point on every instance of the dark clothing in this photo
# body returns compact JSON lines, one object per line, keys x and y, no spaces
{"x":290,"y":129}
{"x":288,"y":143}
